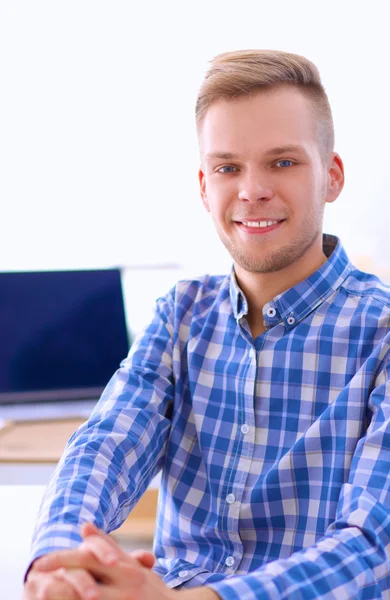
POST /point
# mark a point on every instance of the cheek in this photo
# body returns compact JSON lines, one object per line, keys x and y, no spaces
{"x":219,"y":195}
{"x":302,"y":195}
{"x":294,"y":186}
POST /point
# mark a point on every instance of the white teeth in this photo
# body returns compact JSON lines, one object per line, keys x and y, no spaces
{"x":259,"y":223}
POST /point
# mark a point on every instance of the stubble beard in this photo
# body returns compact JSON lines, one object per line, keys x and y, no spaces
{"x":271,"y":261}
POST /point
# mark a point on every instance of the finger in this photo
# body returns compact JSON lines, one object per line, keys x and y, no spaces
{"x":145,"y":558}
{"x":67,"y":558}
{"x":89,"y":529}
{"x":127,"y":575}
{"x":80,"y":559}
{"x":102,"y":550}
{"x":82,"y":582}
{"x":45,"y":586}
{"x":61,"y":558}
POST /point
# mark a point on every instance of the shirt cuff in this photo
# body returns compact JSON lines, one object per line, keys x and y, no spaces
{"x":56,"y":537}
{"x":245,"y":588}
{"x":186,"y":575}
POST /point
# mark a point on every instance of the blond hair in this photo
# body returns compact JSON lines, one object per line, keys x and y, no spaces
{"x":234,"y":74}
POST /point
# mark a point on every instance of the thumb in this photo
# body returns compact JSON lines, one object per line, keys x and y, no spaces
{"x":145,"y":558}
{"x":88,"y":529}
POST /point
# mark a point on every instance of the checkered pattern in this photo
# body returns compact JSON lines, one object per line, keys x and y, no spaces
{"x":275,"y":453}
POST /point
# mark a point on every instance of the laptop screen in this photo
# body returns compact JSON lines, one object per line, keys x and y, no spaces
{"x":62,"y":334}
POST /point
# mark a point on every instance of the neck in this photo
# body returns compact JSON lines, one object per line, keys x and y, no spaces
{"x":261,"y":288}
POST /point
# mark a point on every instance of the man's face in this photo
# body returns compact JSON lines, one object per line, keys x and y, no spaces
{"x":263,"y":180}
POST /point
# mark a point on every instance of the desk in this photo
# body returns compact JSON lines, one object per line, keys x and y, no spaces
{"x":18,"y":508}
{"x":29,"y":452}
{"x":22,"y":484}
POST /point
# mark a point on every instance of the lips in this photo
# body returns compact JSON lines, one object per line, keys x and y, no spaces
{"x":260,"y":226}
{"x":260,"y":223}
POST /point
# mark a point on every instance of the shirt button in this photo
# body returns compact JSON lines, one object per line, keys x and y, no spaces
{"x":244,"y":428}
{"x":291,"y":320}
{"x":271,"y":311}
{"x":183,"y":573}
{"x":252,"y":353}
{"x":229,"y":562}
{"x":230,"y":498}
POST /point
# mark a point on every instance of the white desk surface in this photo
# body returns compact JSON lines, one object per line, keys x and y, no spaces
{"x":25,"y":474}
{"x":21,"y":490}
{"x":19,"y":506}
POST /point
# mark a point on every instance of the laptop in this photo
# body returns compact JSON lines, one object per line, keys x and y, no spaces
{"x":63,"y":335}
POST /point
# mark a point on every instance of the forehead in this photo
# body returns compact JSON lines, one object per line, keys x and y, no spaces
{"x":275,"y":117}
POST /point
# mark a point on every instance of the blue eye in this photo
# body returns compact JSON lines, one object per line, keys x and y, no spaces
{"x":227,"y":169}
{"x":284,"y":163}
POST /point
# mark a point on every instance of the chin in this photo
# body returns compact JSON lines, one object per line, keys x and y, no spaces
{"x":271,"y":263}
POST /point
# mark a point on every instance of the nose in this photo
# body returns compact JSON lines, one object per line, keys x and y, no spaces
{"x":253,"y":188}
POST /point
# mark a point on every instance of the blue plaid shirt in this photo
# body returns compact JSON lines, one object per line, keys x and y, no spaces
{"x":275,"y":452}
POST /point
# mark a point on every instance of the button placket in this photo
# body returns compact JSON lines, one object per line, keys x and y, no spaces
{"x":271,"y":312}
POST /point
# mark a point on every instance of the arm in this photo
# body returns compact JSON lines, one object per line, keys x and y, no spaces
{"x":100,"y":558}
{"x":352,"y":560}
{"x":110,"y":460}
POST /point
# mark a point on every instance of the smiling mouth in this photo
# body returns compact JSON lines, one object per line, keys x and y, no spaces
{"x":259,"y":224}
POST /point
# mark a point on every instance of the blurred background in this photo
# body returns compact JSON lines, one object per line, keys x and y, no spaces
{"x":99,"y":157}
{"x":98,"y":152}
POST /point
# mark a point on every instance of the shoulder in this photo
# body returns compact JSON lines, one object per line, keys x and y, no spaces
{"x":196,"y":296}
{"x":201,"y":288}
{"x":368,"y":287}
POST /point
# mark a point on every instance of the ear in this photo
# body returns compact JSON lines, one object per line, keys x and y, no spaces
{"x":335,"y":177}
{"x":202,"y":184}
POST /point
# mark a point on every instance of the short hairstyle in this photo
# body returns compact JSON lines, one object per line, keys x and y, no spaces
{"x":244,"y":72}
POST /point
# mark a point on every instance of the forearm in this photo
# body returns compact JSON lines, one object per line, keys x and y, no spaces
{"x":73,"y":496}
{"x":85,"y":488}
{"x":97,"y":480}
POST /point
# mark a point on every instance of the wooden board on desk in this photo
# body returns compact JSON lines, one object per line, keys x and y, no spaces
{"x":141,"y":522}
{"x":44,"y":441}
{"x":36,"y":441}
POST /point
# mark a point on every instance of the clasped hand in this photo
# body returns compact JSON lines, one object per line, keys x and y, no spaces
{"x":97,"y":570}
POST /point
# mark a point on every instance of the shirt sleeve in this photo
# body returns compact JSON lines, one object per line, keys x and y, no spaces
{"x":110,"y":460}
{"x":352,"y":560}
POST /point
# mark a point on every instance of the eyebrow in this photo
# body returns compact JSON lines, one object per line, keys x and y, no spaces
{"x":287,"y":148}
{"x":270,"y":152}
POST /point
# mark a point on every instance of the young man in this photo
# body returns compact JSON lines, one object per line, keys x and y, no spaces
{"x":262,"y":395}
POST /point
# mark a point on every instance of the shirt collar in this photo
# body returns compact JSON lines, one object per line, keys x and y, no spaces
{"x":238,"y":300}
{"x":297,"y":302}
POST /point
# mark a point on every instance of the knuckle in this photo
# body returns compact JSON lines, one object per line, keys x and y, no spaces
{"x":30,"y":586}
{"x":82,"y":581}
{"x":137,"y":575}
{"x":44,"y":591}
{"x":87,"y":545}
{"x":86,"y":551}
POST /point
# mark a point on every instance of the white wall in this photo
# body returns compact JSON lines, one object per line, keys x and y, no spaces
{"x":98,"y":154}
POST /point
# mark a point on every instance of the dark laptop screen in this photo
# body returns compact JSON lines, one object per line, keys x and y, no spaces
{"x":62,"y":334}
